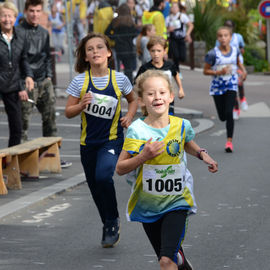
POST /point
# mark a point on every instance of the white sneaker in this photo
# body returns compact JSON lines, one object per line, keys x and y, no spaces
{"x":244,"y":105}
{"x":236,"y":114}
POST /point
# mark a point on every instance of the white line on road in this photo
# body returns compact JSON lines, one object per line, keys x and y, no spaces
{"x":219,"y":132}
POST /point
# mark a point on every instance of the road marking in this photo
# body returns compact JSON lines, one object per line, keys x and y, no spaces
{"x":48,"y":213}
{"x":256,"y":110}
{"x":219,"y":132}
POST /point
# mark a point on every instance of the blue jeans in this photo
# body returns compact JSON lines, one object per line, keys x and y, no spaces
{"x":99,"y":163}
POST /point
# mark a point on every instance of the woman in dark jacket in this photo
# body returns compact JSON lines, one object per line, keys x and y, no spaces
{"x":122,"y":30}
{"x":12,"y":62}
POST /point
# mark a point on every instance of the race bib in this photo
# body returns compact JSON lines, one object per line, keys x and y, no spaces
{"x":102,"y":106}
{"x":164,"y":179}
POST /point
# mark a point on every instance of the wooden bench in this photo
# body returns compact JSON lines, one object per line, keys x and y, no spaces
{"x":29,"y":159}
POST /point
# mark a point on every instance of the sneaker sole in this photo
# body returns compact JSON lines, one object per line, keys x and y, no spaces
{"x":111,"y":245}
{"x":228,"y":150}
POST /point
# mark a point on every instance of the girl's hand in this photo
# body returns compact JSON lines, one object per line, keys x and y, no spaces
{"x":86,"y":100}
{"x":244,"y":75}
{"x":213,"y":165}
{"x":181,"y":93}
{"x":125,"y":121}
{"x":152,"y":149}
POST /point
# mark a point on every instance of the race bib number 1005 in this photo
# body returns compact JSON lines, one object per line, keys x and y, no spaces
{"x":102,"y":106}
{"x":164,"y":179}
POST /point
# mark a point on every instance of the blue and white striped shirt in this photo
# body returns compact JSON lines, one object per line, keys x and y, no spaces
{"x":75,"y":87}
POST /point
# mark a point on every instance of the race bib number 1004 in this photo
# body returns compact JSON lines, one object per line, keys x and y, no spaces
{"x":164,"y":179}
{"x":102,"y":106}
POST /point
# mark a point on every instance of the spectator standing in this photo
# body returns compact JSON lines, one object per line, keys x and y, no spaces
{"x":13,"y":59}
{"x":95,"y":94}
{"x":39,"y":57}
{"x":79,"y":9}
{"x":148,"y":31}
{"x":179,"y":27}
{"x":103,"y":16}
{"x":58,"y":31}
{"x":122,"y":30}
{"x":133,"y":11}
{"x":90,"y":14}
{"x":155,"y":16}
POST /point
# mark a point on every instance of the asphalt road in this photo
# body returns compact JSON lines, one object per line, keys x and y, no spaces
{"x":230,"y":231}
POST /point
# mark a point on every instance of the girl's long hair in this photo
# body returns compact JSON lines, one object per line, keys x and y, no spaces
{"x":124,"y":17}
{"x":81,"y":65}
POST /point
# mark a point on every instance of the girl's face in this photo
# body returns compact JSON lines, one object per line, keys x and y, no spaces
{"x":157,"y":53}
{"x":96,"y":52}
{"x":156,"y":96}
{"x":151,"y":32}
{"x":224,"y":37}
{"x":7,"y":19}
{"x":174,"y":8}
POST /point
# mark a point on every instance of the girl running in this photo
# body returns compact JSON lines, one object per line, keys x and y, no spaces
{"x":96,"y":94}
{"x":221,"y":63}
{"x":153,"y":156}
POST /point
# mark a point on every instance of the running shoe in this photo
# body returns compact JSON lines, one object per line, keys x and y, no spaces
{"x":65,"y":164}
{"x":229,"y":147}
{"x":186,"y":265}
{"x":244,"y":104}
{"x":236,"y":113}
{"x":111,"y":233}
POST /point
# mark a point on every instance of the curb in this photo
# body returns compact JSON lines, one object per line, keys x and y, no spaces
{"x":41,"y":195}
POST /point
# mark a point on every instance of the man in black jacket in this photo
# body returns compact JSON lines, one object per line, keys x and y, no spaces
{"x":13,"y":60}
{"x":38,"y":55}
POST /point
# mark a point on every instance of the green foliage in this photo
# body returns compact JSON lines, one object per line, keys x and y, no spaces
{"x":249,"y":4}
{"x":207,"y":19}
{"x":255,"y":56}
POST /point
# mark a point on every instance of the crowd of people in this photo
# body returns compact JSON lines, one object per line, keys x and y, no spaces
{"x":153,"y":35}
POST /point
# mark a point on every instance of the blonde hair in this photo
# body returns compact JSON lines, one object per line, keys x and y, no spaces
{"x":11,"y":6}
{"x":138,"y":88}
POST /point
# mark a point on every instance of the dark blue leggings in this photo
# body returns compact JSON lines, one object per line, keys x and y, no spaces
{"x":99,"y":163}
{"x":224,"y":105}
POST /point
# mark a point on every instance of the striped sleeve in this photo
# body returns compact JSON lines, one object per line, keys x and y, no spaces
{"x":75,"y":87}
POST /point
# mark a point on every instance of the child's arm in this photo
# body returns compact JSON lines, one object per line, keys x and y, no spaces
{"x":181,"y":93}
{"x":75,"y":106}
{"x":126,"y":163}
{"x":132,"y":108}
{"x":207,"y":70}
{"x":193,"y":149}
{"x":241,"y":66}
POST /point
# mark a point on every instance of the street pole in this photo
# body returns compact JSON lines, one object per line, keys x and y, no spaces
{"x":69,"y":38}
{"x":268,"y":39}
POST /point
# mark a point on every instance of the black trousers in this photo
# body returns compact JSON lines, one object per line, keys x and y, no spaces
{"x":224,"y":105}
{"x":12,"y":104}
{"x":167,"y":234}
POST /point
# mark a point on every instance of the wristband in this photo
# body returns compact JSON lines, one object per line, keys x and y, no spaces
{"x":199,"y":153}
